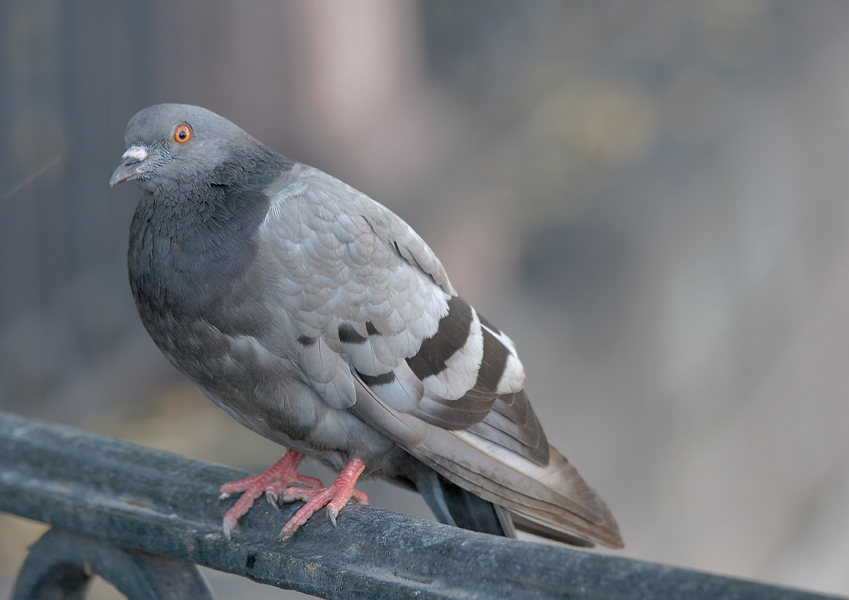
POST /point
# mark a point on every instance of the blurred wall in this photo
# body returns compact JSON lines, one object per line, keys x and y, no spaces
{"x":650,"y":198}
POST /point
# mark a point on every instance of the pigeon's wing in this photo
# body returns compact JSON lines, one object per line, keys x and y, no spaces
{"x":366,"y":294}
{"x":382,"y":334}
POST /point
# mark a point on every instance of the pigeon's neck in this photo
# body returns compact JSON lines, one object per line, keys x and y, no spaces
{"x":193,"y":239}
{"x":223,"y":207}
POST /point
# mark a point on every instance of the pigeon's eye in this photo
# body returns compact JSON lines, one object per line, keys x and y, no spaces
{"x":182,"y":134}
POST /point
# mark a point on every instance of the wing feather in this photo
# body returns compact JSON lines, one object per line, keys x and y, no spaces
{"x":512,"y":424}
{"x":554,"y":497}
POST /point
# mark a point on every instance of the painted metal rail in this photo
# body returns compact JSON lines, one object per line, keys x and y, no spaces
{"x":142,"y":519}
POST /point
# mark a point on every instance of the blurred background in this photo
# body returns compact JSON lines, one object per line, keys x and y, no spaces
{"x":649,"y":197}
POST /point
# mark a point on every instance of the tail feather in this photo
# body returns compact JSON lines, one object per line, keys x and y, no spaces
{"x":455,"y":506}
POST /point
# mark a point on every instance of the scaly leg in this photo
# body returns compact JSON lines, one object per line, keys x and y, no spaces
{"x":280,"y":476}
{"x":334,"y":497}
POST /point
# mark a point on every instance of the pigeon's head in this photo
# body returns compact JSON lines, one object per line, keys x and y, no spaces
{"x":170,"y":144}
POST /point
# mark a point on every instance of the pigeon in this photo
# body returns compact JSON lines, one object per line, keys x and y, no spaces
{"x":320,"y":320}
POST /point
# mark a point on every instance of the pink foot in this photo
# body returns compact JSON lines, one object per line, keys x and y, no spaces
{"x":334,"y":497}
{"x":280,"y":476}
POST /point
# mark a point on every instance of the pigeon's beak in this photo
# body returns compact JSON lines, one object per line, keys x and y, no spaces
{"x":131,"y":166}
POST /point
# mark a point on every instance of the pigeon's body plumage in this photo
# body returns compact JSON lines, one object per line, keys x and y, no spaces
{"x":319,"y":319}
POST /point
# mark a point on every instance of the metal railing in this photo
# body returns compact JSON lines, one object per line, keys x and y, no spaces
{"x":142,"y":519}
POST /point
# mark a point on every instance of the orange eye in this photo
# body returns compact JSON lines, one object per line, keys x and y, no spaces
{"x":182,"y":134}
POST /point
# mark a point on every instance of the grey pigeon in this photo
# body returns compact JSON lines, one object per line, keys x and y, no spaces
{"x":319,"y":319}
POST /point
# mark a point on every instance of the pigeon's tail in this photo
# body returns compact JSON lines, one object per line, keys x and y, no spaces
{"x":455,"y":506}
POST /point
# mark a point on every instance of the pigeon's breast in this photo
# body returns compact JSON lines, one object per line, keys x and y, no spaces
{"x":194,"y":279}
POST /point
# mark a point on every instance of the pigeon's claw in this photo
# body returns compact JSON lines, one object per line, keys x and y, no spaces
{"x":282,"y":475}
{"x":277,"y":492}
{"x":334,"y":497}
